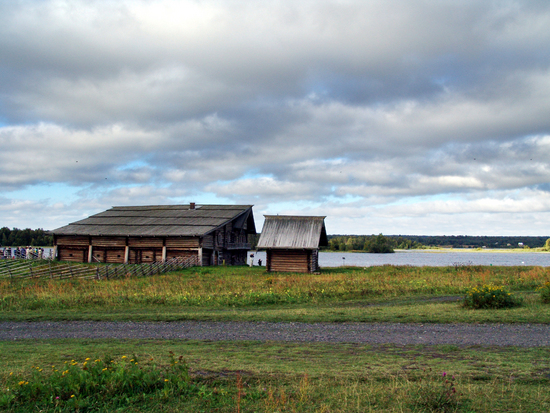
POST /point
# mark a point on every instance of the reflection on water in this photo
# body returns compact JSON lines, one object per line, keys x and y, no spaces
{"x":425,"y":258}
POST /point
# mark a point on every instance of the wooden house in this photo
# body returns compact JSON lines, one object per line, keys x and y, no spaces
{"x":214,"y":234}
{"x":292,"y":242}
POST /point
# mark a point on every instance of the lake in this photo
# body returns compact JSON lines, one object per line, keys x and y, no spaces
{"x":419,"y":258}
{"x":432,"y":258}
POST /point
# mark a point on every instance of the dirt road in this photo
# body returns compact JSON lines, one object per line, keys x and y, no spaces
{"x":522,"y":335}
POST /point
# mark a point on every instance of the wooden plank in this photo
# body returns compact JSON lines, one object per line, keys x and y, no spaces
{"x":181,"y":253}
{"x":289,"y":261}
{"x":115,"y":256}
{"x":182,"y":242}
{"x":145,"y":242}
{"x":73,"y":254}
{"x":150,"y":255}
{"x":109,"y":241}
{"x":145,"y":255}
{"x":77,"y":241}
{"x":208,"y":242}
{"x":99,"y":255}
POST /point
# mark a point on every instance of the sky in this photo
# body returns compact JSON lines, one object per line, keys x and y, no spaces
{"x":423,"y":117}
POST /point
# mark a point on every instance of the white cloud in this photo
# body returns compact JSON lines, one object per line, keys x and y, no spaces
{"x":387,"y":115}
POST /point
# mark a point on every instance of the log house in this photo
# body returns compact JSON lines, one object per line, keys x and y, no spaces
{"x":215,"y":234}
{"x":292,"y":242}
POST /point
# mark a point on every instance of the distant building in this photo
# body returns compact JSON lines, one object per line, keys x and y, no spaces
{"x":292,"y":242}
{"x":214,"y":234}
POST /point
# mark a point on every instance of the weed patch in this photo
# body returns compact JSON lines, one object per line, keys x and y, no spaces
{"x":88,"y":384}
{"x":545,"y":293}
{"x":490,"y":296}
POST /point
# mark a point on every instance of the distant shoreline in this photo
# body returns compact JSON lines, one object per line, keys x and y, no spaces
{"x":436,"y":250}
{"x":482,"y":250}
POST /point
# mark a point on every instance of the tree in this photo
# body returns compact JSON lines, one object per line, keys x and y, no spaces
{"x":378,"y":244}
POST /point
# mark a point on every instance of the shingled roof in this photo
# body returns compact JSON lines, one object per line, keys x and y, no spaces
{"x":293,"y":232}
{"x":162,"y":220}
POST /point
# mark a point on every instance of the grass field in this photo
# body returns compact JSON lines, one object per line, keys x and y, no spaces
{"x":270,"y":376}
{"x":290,"y":377}
{"x":382,"y":294}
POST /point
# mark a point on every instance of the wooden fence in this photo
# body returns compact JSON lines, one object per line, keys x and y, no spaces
{"x":56,"y":269}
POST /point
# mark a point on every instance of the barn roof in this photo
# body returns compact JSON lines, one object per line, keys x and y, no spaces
{"x":162,"y":220}
{"x":293,"y":232}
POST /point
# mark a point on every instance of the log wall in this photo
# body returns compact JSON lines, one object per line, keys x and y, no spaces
{"x":289,"y":260}
{"x":182,"y":242}
{"x":150,"y":249}
{"x":109,"y":242}
{"x":73,"y":241}
{"x":144,"y":242}
{"x":73,"y":254}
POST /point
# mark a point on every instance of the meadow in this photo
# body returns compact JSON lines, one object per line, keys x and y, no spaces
{"x":383,"y":294}
{"x":97,"y":375}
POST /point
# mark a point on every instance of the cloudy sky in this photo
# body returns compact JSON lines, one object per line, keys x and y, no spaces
{"x":394,"y":117}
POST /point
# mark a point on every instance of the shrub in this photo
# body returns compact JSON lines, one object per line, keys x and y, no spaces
{"x":89,"y":384}
{"x":437,"y":394}
{"x":545,"y":292}
{"x":490,"y":296}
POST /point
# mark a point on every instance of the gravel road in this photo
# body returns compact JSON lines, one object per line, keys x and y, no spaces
{"x":521,"y":335}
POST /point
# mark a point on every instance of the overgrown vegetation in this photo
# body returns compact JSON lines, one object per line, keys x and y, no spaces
{"x":270,"y":376}
{"x":384,"y":293}
{"x":86,"y":385}
{"x":490,"y":296}
{"x":545,"y":292}
{"x":275,"y":377}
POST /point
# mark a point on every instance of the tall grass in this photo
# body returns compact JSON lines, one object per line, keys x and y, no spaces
{"x":244,"y":286}
{"x":270,"y":377}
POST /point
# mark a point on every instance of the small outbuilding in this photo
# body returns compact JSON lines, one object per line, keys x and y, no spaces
{"x":292,"y":242}
{"x":214,"y":234}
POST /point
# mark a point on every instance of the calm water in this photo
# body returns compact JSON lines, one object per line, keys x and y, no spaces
{"x":424,"y":258}
{"x":421,"y":258}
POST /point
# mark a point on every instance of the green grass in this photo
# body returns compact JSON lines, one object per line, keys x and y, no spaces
{"x":278,"y":376}
{"x":287,"y":377}
{"x":374,"y":294}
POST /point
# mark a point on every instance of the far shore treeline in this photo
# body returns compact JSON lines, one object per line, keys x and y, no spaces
{"x":381,"y":243}
{"x":367,"y":243}
{"x":25,"y":237}
{"x":388,"y":243}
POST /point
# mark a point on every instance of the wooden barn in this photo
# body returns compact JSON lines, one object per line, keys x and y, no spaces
{"x":214,"y":234}
{"x":292,"y":242}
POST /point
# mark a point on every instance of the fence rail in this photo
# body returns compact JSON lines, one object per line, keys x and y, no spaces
{"x":55,"y":269}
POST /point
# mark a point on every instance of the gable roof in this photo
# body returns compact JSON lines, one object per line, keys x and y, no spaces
{"x":293,"y":232}
{"x":162,"y":220}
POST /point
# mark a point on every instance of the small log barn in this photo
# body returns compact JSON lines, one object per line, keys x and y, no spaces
{"x":292,"y":242}
{"x":215,"y":234}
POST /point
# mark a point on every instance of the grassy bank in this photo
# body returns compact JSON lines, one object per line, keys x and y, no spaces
{"x":292,"y":377}
{"x":385,"y":294}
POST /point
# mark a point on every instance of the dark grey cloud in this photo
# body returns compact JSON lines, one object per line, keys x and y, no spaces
{"x":350,"y":106}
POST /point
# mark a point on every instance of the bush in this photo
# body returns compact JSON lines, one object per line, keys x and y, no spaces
{"x":90,"y":384}
{"x":437,"y":394}
{"x":490,"y":296}
{"x":545,"y":292}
